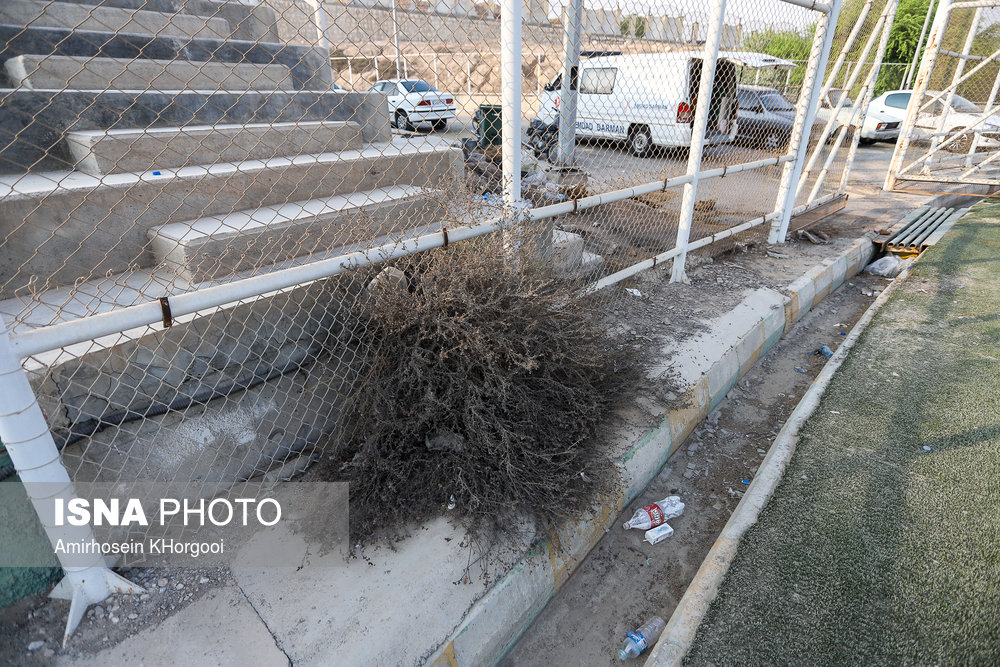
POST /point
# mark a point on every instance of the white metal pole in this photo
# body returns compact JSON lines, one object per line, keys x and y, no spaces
{"x":510,"y":76}
{"x":892,"y":6}
{"x":25,"y":434}
{"x":919,"y":88}
{"x":567,"y":94}
{"x":395,"y":39}
{"x":805,"y":114}
{"x":698,"y":132}
{"x":989,"y":104}
{"x":912,"y":67}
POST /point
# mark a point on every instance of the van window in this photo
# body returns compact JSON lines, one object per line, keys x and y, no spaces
{"x":897,"y":100}
{"x":748,"y":100}
{"x":598,"y":80}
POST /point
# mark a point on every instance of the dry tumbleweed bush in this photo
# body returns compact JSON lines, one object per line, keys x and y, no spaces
{"x":487,"y":382}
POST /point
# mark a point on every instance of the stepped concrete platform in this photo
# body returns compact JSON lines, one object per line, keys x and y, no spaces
{"x":33,"y":122}
{"x":214,"y":246}
{"x":115,"y":151}
{"x":308,"y":65}
{"x":115,"y":19}
{"x":248,"y":21}
{"x":52,"y":213}
{"x":34,"y":72}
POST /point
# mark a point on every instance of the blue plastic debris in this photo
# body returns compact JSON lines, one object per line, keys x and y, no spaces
{"x":799,"y":369}
{"x":926,"y":448}
{"x":843,"y":333}
{"x":745,"y":481}
{"x":826,"y":351}
{"x":156,"y":173}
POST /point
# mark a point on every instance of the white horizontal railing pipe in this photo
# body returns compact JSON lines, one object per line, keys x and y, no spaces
{"x":810,"y":4}
{"x":56,"y":336}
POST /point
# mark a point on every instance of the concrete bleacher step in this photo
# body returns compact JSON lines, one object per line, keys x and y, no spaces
{"x":114,"y":19}
{"x":101,"y":152}
{"x":35,"y":72}
{"x":213,"y":246}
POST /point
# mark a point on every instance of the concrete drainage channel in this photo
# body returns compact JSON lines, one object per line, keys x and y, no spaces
{"x":710,"y":365}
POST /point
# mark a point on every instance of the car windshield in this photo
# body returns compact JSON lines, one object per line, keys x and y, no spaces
{"x":959,"y":103}
{"x":775,"y":102}
{"x":417,"y":86}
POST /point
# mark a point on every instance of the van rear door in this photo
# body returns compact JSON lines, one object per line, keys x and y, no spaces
{"x":723,"y":104}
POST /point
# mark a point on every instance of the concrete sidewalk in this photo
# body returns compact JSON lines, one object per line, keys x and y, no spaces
{"x":880,"y":545}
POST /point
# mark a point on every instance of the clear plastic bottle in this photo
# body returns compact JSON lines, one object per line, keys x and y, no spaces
{"x":639,"y":640}
{"x":654,"y":515}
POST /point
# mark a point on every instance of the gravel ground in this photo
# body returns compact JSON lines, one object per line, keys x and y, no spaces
{"x":880,"y":545}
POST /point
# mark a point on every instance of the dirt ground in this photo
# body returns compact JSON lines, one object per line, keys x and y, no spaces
{"x":625,"y":581}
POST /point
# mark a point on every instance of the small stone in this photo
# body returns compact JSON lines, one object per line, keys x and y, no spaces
{"x":98,"y":611}
{"x":688,"y":474}
{"x":115,"y":619}
{"x":179,"y":586}
{"x":690,"y":466}
{"x":761,"y":451}
{"x":133,"y":616}
{"x":35,"y":645}
{"x":162,"y":582}
{"x":717,"y":506}
{"x":144,"y":596}
{"x":48,"y":653}
{"x":203,"y":580}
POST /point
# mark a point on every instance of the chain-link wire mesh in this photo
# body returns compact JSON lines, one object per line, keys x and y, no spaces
{"x":953,"y":122}
{"x":152,"y":151}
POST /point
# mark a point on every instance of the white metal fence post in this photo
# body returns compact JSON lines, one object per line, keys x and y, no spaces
{"x":510,"y":75}
{"x":919,"y":88}
{"x":805,"y":113}
{"x":25,"y":435}
{"x":956,"y":77}
{"x":567,"y":93}
{"x":698,"y":131}
{"x":912,"y":66}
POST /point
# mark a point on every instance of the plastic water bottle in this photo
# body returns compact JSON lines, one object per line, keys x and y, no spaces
{"x":654,"y":515}
{"x":639,"y":640}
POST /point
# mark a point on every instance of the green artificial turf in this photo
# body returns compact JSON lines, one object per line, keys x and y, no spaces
{"x":873,"y":551}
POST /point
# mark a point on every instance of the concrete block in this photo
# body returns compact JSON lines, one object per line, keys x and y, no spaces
{"x":802,"y":296}
{"x":108,"y":151}
{"x":216,"y":246}
{"x":590,"y":263}
{"x":838,"y":272}
{"x":80,"y":73}
{"x":722,"y":377}
{"x":43,"y":13}
{"x":750,"y":347}
{"x":641,"y":463}
{"x":567,"y":251}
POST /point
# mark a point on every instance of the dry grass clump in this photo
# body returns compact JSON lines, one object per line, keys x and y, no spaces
{"x":483,"y":381}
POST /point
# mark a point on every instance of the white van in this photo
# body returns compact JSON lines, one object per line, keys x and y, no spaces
{"x":649,"y":99}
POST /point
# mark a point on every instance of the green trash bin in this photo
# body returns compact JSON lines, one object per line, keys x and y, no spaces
{"x":490,"y":125}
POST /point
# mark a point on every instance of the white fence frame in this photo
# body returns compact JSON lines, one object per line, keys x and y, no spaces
{"x":23,"y":427}
{"x":970,"y":164}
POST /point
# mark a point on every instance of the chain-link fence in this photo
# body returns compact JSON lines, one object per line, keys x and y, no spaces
{"x":201,"y":199}
{"x":951,"y":131}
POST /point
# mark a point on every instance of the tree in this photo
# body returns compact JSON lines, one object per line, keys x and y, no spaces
{"x":640,"y":26}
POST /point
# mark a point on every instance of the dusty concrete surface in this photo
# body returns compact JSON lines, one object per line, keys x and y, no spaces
{"x":625,"y":580}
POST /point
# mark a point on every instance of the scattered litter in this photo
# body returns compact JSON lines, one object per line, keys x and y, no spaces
{"x":834,"y":412}
{"x":35,"y":645}
{"x":812,"y":238}
{"x":826,"y":351}
{"x":633,"y":291}
{"x":452,"y":503}
{"x":156,"y":173}
{"x":656,"y":514}
{"x":843,"y":333}
{"x":649,"y":561}
{"x":926,"y":448}
{"x":889,"y":266}
{"x":777,"y":255}
{"x":961,"y":287}
{"x":895,"y":375}
{"x":799,"y":369}
{"x":658,"y":534}
{"x":745,"y":481}
{"x":761,"y":451}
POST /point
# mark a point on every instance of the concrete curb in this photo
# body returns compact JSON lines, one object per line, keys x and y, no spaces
{"x":736,"y":342}
{"x":682,"y":627}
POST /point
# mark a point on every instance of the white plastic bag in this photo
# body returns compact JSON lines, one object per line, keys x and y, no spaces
{"x":889,"y":266}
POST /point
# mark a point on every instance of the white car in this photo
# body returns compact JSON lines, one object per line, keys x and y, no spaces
{"x":412,"y":101}
{"x":878,"y":126}
{"x":961,"y":114}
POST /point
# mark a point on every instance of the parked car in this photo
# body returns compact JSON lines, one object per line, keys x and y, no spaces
{"x":877,"y":126}
{"x":649,"y":99}
{"x":412,"y":101}
{"x":764,"y":117}
{"x":961,"y":114}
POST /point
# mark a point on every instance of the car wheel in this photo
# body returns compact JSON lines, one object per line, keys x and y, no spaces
{"x":403,"y":121}
{"x":640,"y":142}
{"x":963,"y":143}
{"x":772,"y":142}
{"x":440,"y":125}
